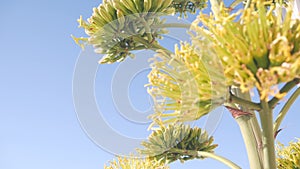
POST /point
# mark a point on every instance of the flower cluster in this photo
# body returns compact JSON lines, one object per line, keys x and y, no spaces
{"x":137,"y":163}
{"x":258,"y":48}
{"x":115,"y":23}
{"x":118,"y":27}
{"x":186,"y":85}
{"x":288,"y":157}
{"x":177,"y":142}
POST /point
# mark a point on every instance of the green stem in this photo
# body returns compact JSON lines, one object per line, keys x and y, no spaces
{"x":256,"y":129}
{"x":249,"y":137}
{"x":250,"y":129}
{"x":147,"y":29}
{"x":285,"y":109}
{"x":285,"y":89}
{"x":266,"y":117}
{"x":153,"y":46}
{"x":245,"y":103}
{"x":201,"y":154}
{"x":218,"y":158}
{"x":258,"y":137}
{"x":173,"y":25}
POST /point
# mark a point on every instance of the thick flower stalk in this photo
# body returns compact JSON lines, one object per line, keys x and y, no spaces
{"x":177,"y":142}
{"x":134,"y":162}
{"x":186,"y":85}
{"x":288,"y":157}
{"x":258,"y":48}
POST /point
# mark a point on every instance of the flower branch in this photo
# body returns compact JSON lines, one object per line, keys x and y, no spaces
{"x":285,"y":89}
{"x":245,"y":103}
{"x":204,"y":154}
{"x":285,"y":109}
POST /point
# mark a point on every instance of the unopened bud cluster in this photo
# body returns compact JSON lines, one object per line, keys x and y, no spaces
{"x":174,"y":142}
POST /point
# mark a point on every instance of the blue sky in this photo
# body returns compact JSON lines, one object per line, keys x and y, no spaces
{"x":38,"y":123}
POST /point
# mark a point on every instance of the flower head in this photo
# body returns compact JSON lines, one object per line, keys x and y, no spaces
{"x":171,"y":143}
{"x":186,"y":85}
{"x":114,"y":23}
{"x":257,"y":47}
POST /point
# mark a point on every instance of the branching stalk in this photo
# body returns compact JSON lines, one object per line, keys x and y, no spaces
{"x":285,"y":89}
{"x":201,"y":154}
{"x":285,"y":109}
{"x":147,"y":29}
{"x":244,"y":103}
{"x":153,"y":46}
{"x":218,"y":158}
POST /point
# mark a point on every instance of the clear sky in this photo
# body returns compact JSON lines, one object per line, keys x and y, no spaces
{"x":39,"y":128}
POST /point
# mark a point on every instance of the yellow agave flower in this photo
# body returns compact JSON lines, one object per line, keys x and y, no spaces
{"x":136,"y":163}
{"x":288,"y":157}
{"x":256,"y":46}
{"x":187,"y":85}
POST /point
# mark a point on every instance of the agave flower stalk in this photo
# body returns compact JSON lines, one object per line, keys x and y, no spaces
{"x":256,"y":49}
{"x":248,"y":123}
{"x":249,"y":126}
{"x":181,"y":142}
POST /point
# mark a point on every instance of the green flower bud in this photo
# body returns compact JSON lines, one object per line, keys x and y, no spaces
{"x":177,"y":142}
